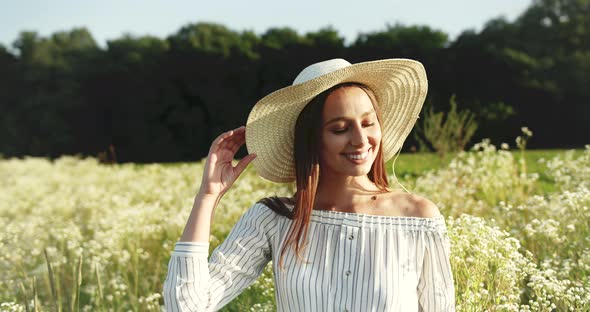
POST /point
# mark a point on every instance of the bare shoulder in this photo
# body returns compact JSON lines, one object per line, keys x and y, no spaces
{"x":424,"y":207}
{"x":412,"y":205}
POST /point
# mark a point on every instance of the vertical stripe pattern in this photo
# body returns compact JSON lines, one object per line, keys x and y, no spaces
{"x":356,"y":262}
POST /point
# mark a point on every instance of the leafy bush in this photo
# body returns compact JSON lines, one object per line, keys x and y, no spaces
{"x":446,"y":134}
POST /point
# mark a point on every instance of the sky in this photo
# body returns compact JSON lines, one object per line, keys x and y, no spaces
{"x":110,"y":19}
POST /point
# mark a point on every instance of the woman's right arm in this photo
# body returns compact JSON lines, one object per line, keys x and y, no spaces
{"x":218,"y":176}
{"x":188,"y":284}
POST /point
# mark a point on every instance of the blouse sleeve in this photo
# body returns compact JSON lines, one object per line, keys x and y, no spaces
{"x":193,"y":284}
{"x":436,"y":291}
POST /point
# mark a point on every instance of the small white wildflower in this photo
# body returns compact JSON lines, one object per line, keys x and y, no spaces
{"x":526,"y":131}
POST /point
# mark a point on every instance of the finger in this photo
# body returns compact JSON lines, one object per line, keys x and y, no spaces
{"x":230,"y":134}
{"x":240,"y":129}
{"x":232,"y":144}
{"x":244,"y":162}
{"x":234,"y":149}
{"x":234,"y":137}
{"x":219,"y":140}
{"x":236,"y":143}
{"x":237,"y":135}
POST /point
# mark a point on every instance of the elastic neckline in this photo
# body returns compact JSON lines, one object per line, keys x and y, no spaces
{"x":369,"y":220}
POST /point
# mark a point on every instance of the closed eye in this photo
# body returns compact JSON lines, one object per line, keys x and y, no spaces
{"x":342,"y":130}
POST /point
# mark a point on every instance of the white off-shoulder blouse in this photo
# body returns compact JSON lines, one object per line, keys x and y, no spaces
{"x":356,"y":262}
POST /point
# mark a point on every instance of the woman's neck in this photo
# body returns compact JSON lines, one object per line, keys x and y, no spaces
{"x":343,"y":193}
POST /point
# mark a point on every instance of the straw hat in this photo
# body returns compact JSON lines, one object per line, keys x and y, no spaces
{"x":399,"y":85}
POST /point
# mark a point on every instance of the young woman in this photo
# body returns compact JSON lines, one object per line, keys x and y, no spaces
{"x":345,"y":241}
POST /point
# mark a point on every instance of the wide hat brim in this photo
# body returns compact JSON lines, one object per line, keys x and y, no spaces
{"x":399,"y":85}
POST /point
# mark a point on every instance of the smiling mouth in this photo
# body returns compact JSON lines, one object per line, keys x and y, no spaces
{"x":356,"y":156}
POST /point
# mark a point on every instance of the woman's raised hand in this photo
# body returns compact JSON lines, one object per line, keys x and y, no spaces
{"x":219,"y":174}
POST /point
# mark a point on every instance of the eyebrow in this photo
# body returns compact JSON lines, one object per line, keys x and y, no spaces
{"x":344,"y":118}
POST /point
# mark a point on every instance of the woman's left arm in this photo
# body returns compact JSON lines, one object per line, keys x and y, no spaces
{"x":436,"y":291}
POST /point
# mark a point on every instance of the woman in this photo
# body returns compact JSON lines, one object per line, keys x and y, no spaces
{"x":345,"y":241}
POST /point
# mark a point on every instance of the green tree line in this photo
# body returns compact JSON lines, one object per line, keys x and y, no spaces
{"x":152,"y":99}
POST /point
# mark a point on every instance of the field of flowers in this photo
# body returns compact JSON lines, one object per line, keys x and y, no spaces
{"x":78,"y":235}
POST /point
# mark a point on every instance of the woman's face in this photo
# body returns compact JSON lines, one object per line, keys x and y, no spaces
{"x":351,"y":133}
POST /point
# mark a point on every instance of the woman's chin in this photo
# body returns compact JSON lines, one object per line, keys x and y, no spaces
{"x":346,"y":167}
{"x":355,"y":171}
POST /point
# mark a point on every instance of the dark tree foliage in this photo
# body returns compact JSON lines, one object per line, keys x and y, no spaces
{"x":158,"y":100}
{"x":536,"y":67}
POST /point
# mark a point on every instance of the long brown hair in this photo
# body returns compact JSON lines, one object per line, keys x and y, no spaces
{"x":307,"y":168}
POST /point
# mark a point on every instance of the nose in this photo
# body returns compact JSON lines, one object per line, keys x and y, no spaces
{"x":358,"y":136}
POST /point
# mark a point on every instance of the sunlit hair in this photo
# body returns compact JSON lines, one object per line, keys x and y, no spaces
{"x":307,"y":143}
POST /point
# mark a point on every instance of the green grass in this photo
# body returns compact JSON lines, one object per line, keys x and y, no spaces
{"x":412,"y":165}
